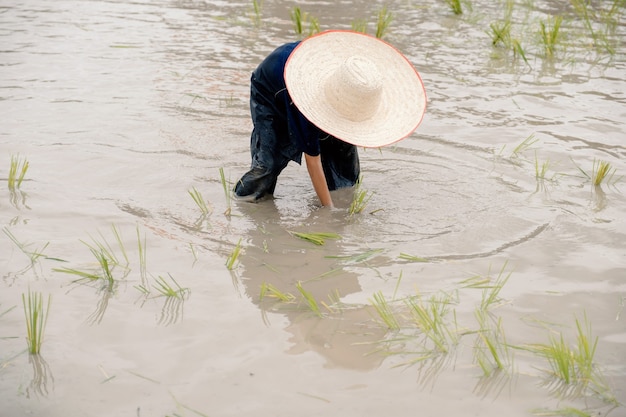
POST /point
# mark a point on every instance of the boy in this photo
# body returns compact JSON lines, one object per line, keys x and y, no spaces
{"x":323,"y":97}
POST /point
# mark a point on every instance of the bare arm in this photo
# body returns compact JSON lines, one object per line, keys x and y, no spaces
{"x":316,"y":172}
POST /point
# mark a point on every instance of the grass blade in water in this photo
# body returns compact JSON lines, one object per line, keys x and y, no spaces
{"x":316,"y":238}
{"x":308,"y":297}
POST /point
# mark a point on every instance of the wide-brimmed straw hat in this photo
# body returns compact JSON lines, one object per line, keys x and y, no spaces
{"x":356,"y":88}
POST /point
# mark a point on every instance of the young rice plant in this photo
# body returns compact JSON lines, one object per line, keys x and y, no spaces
{"x":36,"y":314}
{"x":17,"y":172}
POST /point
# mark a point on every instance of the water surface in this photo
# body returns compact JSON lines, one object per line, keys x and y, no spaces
{"x":122,"y":107}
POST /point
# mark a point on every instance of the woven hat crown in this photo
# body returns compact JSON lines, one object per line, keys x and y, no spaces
{"x":354,"y":90}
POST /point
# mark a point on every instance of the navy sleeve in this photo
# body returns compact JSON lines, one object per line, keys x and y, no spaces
{"x":304,"y":133}
{"x":269,"y":79}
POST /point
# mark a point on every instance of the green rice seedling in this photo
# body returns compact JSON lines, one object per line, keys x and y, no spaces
{"x":200,"y":202}
{"x":395,"y":290}
{"x":525,"y":145}
{"x":621,"y":303}
{"x":455,"y":6}
{"x":180,"y":406}
{"x":476,"y":281}
{"x":491,"y":350}
{"x":297,"y":17}
{"x":610,"y":17}
{"x":33,"y":255}
{"x":602,"y":171}
{"x":518,"y":50}
{"x":585,"y":13}
{"x":430,"y":318}
{"x":105,"y":271}
{"x":612,"y":13}
{"x":232,"y":258}
{"x":227,"y":102}
{"x":266,"y":248}
{"x":491,"y":287}
{"x":412,"y":258}
{"x":574,"y":367}
{"x":6,"y":311}
{"x":300,"y":18}
{"x":550,"y":34}
{"x":560,"y":358}
{"x":141,"y":247}
{"x":82,"y":275}
{"x":319,"y":277}
{"x":541,"y":169}
{"x":429,"y":321}
{"x":334,"y":303}
{"x":193,"y":252}
{"x":314,"y":26}
{"x":269,"y":290}
{"x":120,"y":244}
{"x":384,"y":310}
{"x":105,"y":265}
{"x":563,"y":412}
{"x":17,"y":172}
{"x":256,"y":10}
{"x":166,"y":288}
{"x":107,"y":377}
{"x":588,"y":373}
{"x":228,"y":193}
{"x":582,"y":171}
{"x":601,"y":21}
{"x":316,"y":238}
{"x":310,"y":300}
{"x":107,"y":260}
{"x":586,"y":350}
{"x":360,"y":198}
{"x":500,"y":33}
{"x":36,"y":319}
{"x":383,"y":21}
{"x":195,"y":96}
{"x":106,"y":254}
{"x":359,"y":25}
{"x":143,"y":289}
{"x":491,"y":293}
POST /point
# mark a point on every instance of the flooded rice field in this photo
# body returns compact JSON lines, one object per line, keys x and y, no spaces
{"x":485,"y":276}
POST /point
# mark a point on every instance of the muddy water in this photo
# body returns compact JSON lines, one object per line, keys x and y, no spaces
{"x":121,"y":108}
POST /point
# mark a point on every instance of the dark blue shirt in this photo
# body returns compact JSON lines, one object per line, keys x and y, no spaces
{"x":269,"y":89}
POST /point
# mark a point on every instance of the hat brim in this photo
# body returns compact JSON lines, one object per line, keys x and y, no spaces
{"x":403,"y":99}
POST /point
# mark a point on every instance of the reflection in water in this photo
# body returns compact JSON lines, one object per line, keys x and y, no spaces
{"x":106,"y":291}
{"x":18,"y":198}
{"x":172,"y":310}
{"x":493,"y":384}
{"x":430,"y":368}
{"x":346,"y":337}
{"x":174,"y":299}
{"x":599,"y":199}
{"x":42,"y":376}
